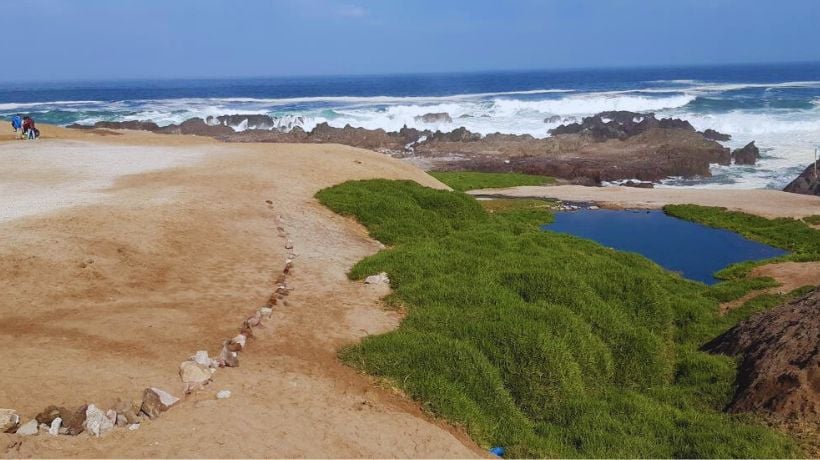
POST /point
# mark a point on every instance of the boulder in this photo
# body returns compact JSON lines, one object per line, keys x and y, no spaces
{"x":96,"y":421}
{"x":156,"y":401}
{"x":194,"y":375}
{"x":807,"y":183}
{"x":439,"y":117}
{"x":552,"y":119}
{"x":638,"y":184}
{"x":9,"y":420}
{"x":747,"y":155}
{"x":30,"y":428}
{"x":713,"y":135}
{"x":121,"y":420}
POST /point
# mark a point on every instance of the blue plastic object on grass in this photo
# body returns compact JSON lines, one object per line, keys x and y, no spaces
{"x":497,"y":451}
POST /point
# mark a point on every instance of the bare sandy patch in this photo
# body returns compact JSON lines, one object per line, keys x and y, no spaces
{"x":161,"y":250}
{"x":766,"y":203}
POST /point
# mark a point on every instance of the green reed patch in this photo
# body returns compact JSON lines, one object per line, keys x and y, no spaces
{"x":545,"y":343}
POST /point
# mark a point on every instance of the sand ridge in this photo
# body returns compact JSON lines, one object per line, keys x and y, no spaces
{"x":766,"y":203}
{"x":107,"y":296}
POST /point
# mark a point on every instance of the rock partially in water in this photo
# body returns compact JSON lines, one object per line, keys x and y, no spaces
{"x":808,"y":182}
{"x":780,"y":358}
{"x":747,"y":155}
{"x":713,"y":135}
{"x":439,"y":117}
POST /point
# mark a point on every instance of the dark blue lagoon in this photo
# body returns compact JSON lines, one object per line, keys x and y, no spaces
{"x":696,"y":251}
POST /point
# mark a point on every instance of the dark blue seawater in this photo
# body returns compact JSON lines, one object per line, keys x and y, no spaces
{"x":696,"y":251}
{"x":778,"y":106}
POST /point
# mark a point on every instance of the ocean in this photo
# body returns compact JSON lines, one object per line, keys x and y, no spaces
{"x":777,"y":106}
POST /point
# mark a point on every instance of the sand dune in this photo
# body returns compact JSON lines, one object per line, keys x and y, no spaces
{"x":121,"y":255}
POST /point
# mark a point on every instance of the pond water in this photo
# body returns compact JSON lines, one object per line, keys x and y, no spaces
{"x":694,"y":250}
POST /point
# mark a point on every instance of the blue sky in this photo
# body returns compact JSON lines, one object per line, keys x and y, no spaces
{"x":100,"y":39}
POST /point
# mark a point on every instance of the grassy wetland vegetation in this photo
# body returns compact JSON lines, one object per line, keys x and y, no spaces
{"x":795,"y":236}
{"x":547,"y":344}
{"x":463,"y":181}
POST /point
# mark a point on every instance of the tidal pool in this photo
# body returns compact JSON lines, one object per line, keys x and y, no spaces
{"x":694,"y":250}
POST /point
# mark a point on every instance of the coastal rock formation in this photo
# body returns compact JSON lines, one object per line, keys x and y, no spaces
{"x":609,"y":146}
{"x":713,"y":135}
{"x":439,"y":117}
{"x":747,"y":155}
{"x":780,"y":352}
{"x":807,"y":183}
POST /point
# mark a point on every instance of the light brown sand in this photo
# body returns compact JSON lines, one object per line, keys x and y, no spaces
{"x":108,"y":289}
{"x":766,"y":203}
{"x":790,"y":275}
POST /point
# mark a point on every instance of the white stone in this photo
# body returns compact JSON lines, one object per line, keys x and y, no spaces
{"x":54,"y":429}
{"x":594,"y":207}
{"x":28,"y":429}
{"x":194,"y":375}
{"x":266,"y":312}
{"x":377,"y":279}
{"x":223,"y":394}
{"x":96,"y":421}
{"x":240,"y":340}
{"x":134,"y":427}
{"x":201,"y":357}
{"x":8,"y":419}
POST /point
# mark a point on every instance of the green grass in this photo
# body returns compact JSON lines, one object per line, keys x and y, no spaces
{"x":463,"y":181}
{"x":795,"y":236}
{"x":550,"y":345}
{"x":812,"y":220}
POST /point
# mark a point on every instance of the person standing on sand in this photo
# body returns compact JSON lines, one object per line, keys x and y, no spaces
{"x":29,"y":130}
{"x":16,"y":123}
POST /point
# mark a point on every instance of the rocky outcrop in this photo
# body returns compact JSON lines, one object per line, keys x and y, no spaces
{"x":807,"y":183}
{"x":196,"y":127}
{"x":609,"y":146}
{"x":747,"y":155}
{"x":713,"y":135}
{"x":780,"y":359}
{"x":439,"y":117}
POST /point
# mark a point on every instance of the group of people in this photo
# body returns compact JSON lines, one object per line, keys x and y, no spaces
{"x":24,"y":127}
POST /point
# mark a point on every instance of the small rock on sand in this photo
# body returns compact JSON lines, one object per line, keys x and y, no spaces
{"x":223,"y":394}
{"x":156,"y":401}
{"x":96,"y":421}
{"x":377,"y":279}
{"x":194,"y":375}
{"x":134,"y":427}
{"x":8,"y":420}
{"x":54,"y":429}
{"x":265,"y":312}
{"x":28,"y":429}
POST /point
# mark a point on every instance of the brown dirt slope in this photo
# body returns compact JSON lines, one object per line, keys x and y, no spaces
{"x":780,"y":360}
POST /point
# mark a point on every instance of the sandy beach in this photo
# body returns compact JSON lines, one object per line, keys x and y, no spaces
{"x":761,"y":202}
{"x":123,"y":254}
